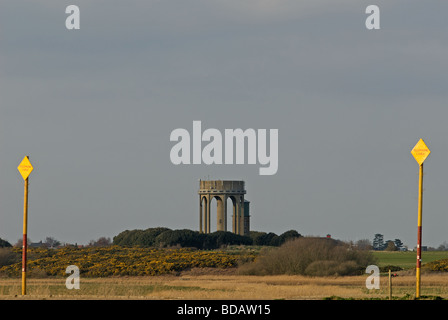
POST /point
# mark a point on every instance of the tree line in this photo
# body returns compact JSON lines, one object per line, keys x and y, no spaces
{"x":165,"y":237}
{"x":52,"y":243}
{"x":389,"y":245}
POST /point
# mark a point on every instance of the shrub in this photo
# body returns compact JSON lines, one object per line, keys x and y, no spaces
{"x":127,"y":237}
{"x":331,"y":267}
{"x":271,"y":239}
{"x":288,"y":235}
{"x":120,"y":261}
{"x":218,"y":239}
{"x":391,"y":268}
{"x":256,"y":237}
{"x":311,"y":256}
{"x":165,"y":237}
{"x":437,"y":265}
{"x":8,"y":256}
{"x":264,"y":239}
{"x":147,"y":238}
{"x":182,"y":237}
{"x":4,"y":243}
{"x":144,"y":238}
{"x":321,"y":267}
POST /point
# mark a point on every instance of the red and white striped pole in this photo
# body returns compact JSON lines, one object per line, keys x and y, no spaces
{"x":420,"y":153}
{"x":25,"y":242}
{"x":419,"y":230}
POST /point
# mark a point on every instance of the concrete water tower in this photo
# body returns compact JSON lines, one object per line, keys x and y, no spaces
{"x":221,"y":190}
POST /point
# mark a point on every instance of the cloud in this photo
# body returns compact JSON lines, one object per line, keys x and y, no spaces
{"x":138,"y":69}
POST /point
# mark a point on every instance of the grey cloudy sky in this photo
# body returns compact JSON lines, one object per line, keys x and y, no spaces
{"x":94,"y":109}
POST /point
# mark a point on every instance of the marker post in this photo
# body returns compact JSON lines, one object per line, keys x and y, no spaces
{"x":420,"y":153}
{"x":25,"y":169}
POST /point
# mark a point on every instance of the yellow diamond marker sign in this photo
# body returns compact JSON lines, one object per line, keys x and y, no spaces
{"x":25,"y":168}
{"x":420,"y":151}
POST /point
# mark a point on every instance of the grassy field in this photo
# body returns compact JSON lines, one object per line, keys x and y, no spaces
{"x":407,"y":260}
{"x":234,"y":287}
{"x":213,"y":283}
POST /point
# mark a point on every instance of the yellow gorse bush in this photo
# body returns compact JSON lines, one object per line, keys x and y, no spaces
{"x":123,"y":261}
{"x":438,"y":265}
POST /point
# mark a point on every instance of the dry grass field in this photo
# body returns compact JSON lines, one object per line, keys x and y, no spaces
{"x":181,"y":274}
{"x":195,"y":285}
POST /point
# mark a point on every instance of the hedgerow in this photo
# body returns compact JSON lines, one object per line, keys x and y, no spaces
{"x":122,"y":261}
{"x":164,"y":237}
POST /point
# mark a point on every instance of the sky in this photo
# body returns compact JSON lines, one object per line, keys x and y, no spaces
{"x":94,"y":109}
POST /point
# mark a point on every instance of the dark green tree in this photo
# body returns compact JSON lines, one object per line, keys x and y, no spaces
{"x":4,"y":243}
{"x":288,"y":235}
{"x":398,"y":244}
{"x":268,"y":239}
{"x":182,"y":237}
{"x":378,"y":242}
{"x":257,"y":237}
{"x":147,"y":238}
{"x":127,"y":237}
{"x":220,"y":238}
